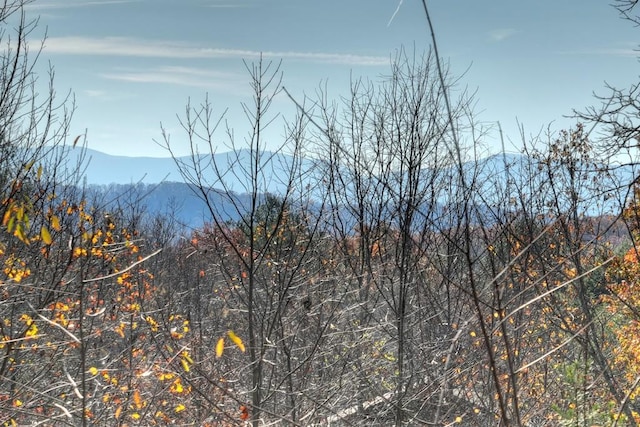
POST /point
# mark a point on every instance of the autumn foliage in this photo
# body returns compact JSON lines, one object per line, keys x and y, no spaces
{"x":396,"y":280}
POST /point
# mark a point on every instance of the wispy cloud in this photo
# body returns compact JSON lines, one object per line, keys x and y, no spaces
{"x":501,"y":34}
{"x":43,"y":5}
{"x":95,"y":93}
{"x":227,"y":3}
{"x":631,"y":51}
{"x":227,"y":6}
{"x":121,"y":46}
{"x":184,"y":76}
{"x":107,"y":95}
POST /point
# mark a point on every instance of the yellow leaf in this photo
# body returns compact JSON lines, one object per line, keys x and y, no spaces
{"x":93,"y":370}
{"x":236,"y":340}
{"x":165,"y":376}
{"x":472,"y":333}
{"x":55,"y":223}
{"x":458,"y":420}
{"x":32,"y":331}
{"x":185,"y":365}
{"x":220,"y":347}
{"x":180,"y":408}
{"x":176,"y":387}
{"x":45,"y":235}
{"x":118,"y":412}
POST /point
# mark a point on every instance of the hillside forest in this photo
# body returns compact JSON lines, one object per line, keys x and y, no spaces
{"x":397,"y":281}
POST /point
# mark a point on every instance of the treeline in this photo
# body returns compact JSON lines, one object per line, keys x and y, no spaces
{"x":396,"y":282}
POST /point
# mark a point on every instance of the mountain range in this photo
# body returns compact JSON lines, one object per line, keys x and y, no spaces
{"x":159,"y":185}
{"x":162,"y":188}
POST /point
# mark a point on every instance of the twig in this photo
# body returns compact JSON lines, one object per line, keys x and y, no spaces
{"x":73,"y":337}
{"x":550,"y":352}
{"x":95,"y":279}
{"x":624,"y":401}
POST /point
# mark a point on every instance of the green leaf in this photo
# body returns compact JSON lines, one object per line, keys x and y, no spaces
{"x":11,"y":223}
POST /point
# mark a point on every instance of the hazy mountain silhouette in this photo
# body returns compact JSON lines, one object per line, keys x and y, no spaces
{"x":161,"y":188}
{"x":166,"y":191}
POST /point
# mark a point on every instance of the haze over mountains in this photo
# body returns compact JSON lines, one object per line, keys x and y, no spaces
{"x":163,"y":189}
{"x":105,"y":169}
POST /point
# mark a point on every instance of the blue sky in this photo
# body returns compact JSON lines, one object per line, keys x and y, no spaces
{"x":133,"y":64}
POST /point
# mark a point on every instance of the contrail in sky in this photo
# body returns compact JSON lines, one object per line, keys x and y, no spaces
{"x":395,"y":13}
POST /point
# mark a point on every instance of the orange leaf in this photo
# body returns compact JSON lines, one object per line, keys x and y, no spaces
{"x":7,"y":215}
{"x":244,"y":413}
{"x":137,"y":400}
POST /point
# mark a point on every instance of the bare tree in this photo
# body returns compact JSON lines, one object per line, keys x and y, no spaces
{"x":259,"y":242}
{"x":391,"y":176}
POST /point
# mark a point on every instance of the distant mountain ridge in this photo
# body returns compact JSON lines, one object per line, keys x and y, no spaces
{"x":168,"y":192}
{"x":161,"y":187}
{"x":105,"y":169}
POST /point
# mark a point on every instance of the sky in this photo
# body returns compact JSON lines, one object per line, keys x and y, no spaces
{"x":133,"y":65}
